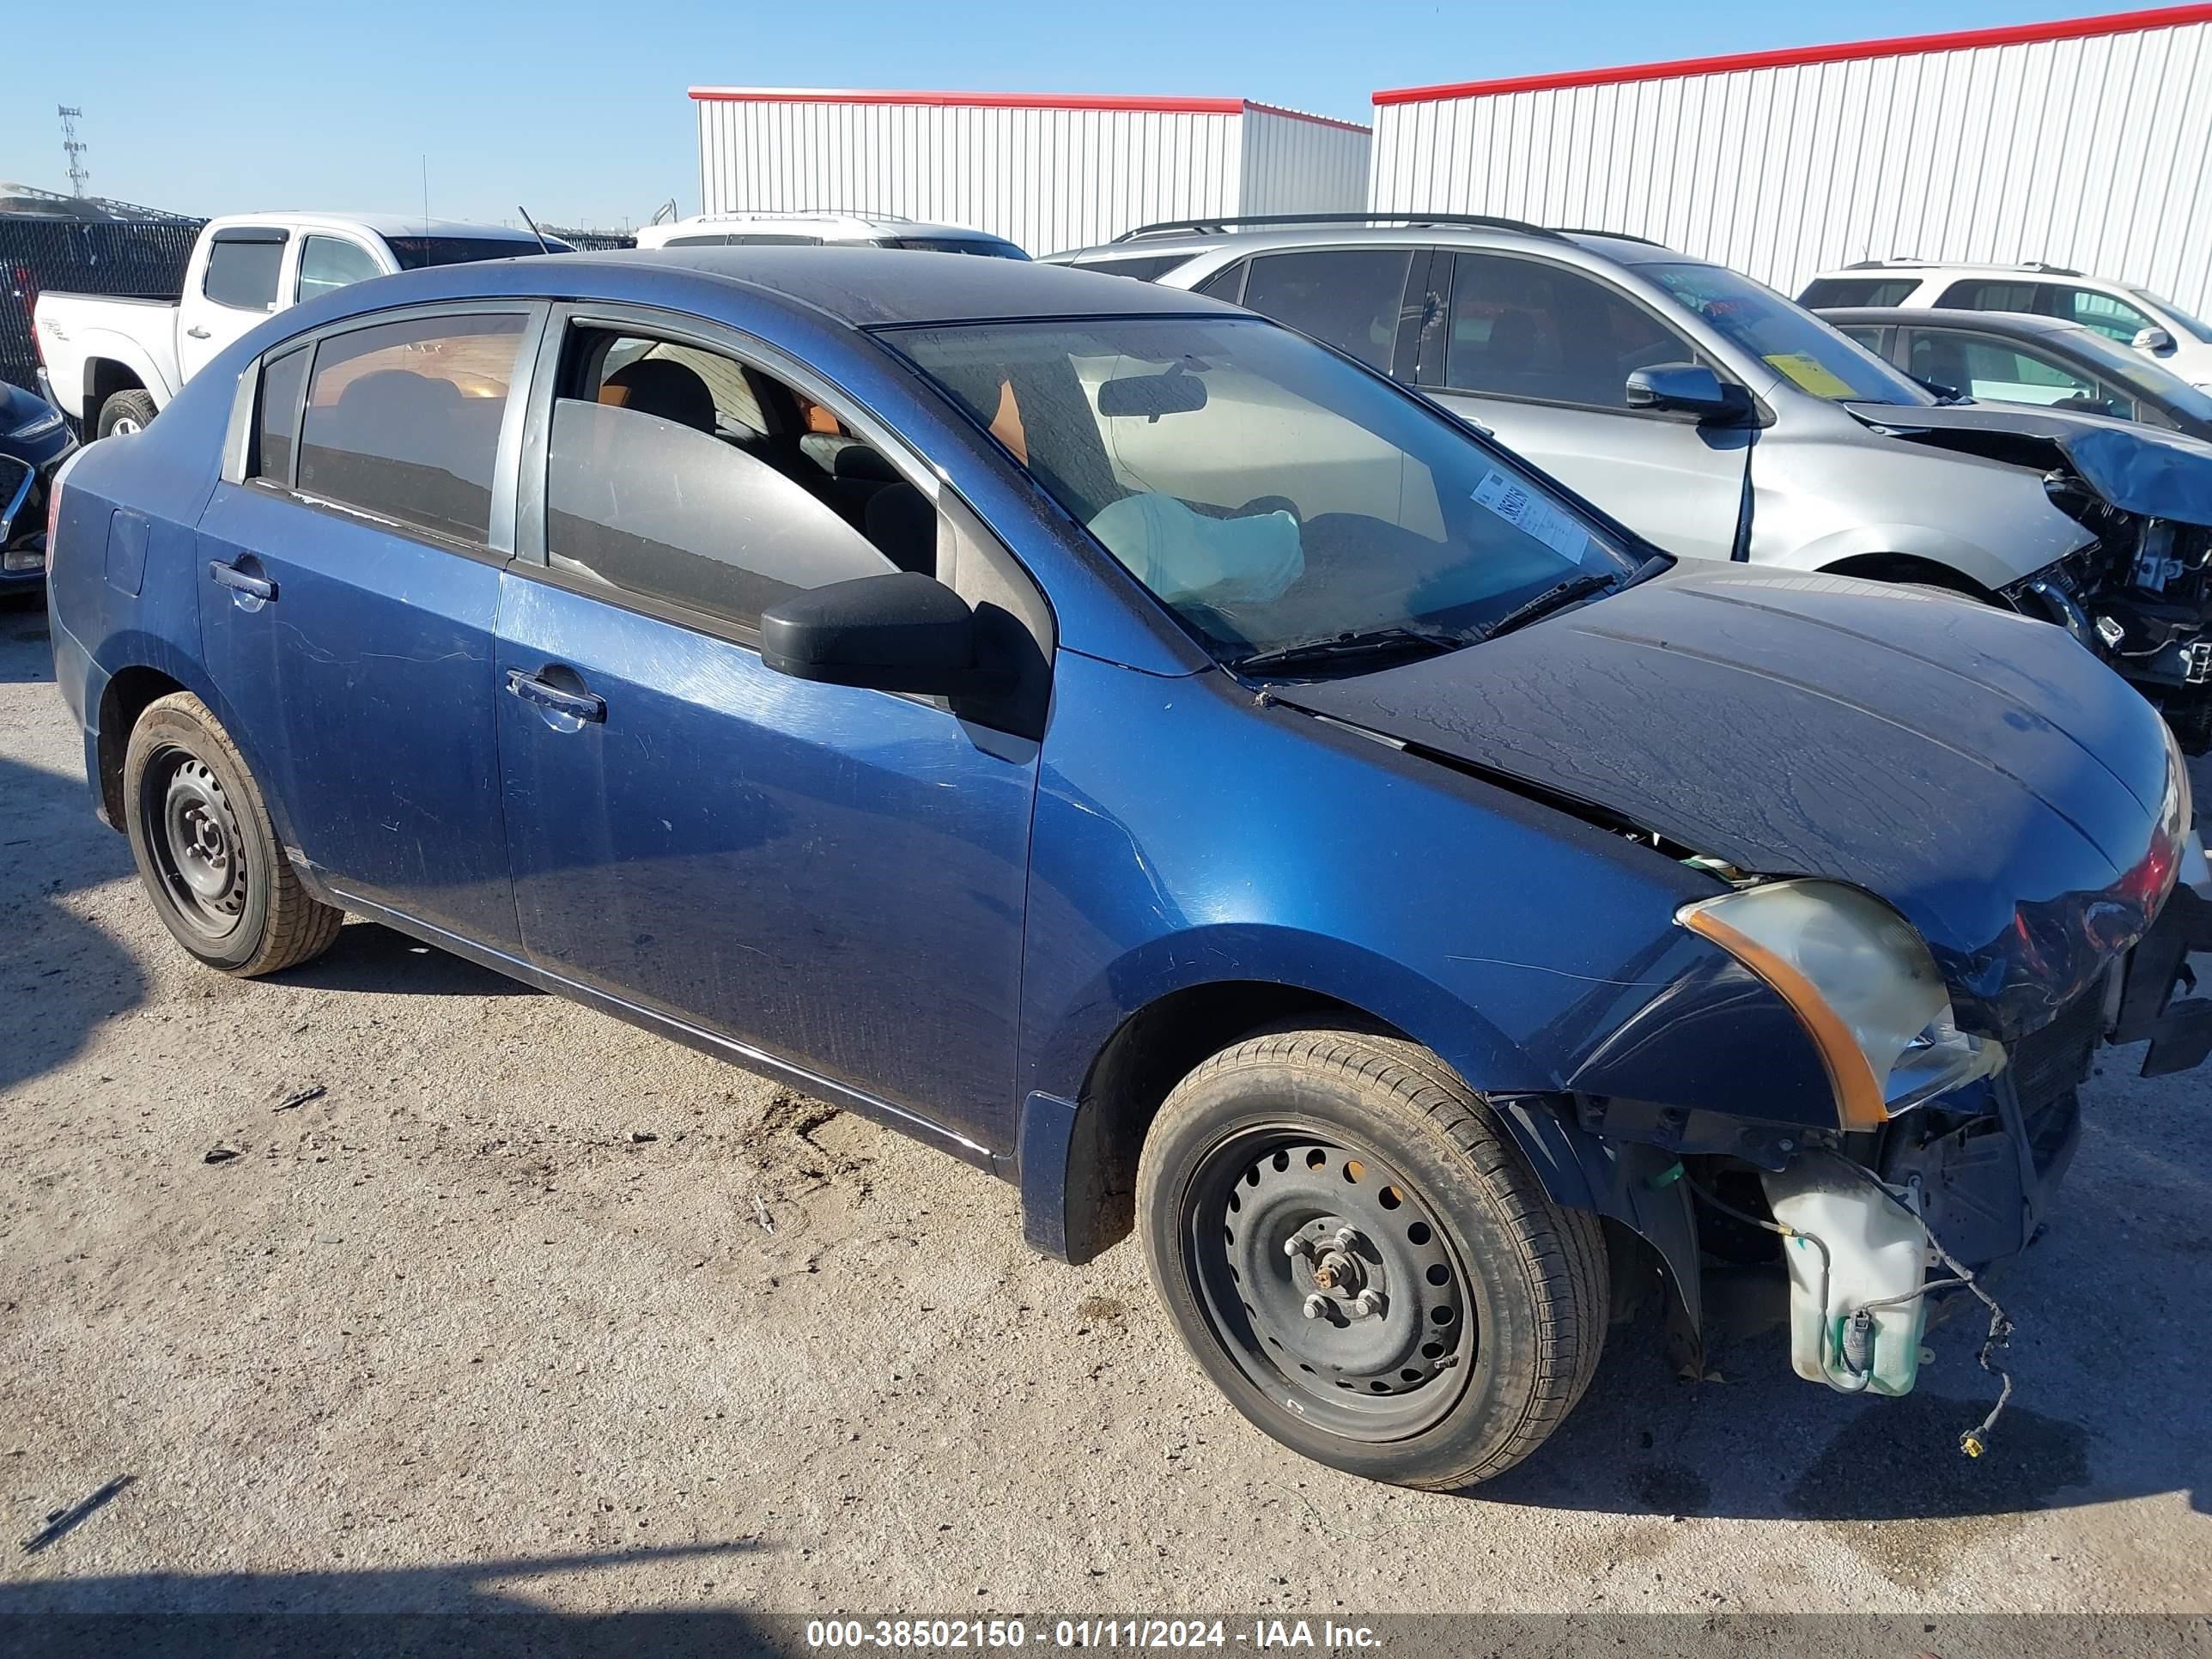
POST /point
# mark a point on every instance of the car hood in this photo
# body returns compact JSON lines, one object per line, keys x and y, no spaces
{"x":2137,"y":469}
{"x":1981,"y":772}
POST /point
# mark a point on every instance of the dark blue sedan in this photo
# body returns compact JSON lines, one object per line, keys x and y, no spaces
{"x":1139,"y":751}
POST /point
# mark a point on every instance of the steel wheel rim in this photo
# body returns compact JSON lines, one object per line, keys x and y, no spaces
{"x":1264,"y":1232}
{"x":198,"y":851}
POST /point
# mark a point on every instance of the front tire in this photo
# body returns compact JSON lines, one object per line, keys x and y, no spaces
{"x":206,"y":852}
{"x":124,"y":413}
{"x":1357,"y":1255}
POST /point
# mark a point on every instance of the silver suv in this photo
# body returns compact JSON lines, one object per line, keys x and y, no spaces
{"x":1721,"y":421}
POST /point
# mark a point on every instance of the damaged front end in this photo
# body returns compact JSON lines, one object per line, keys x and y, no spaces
{"x":2140,"y":595}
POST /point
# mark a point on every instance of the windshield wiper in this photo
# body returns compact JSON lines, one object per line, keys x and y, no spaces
{"x":1405,"y":638}
{"x":1551,"y":599}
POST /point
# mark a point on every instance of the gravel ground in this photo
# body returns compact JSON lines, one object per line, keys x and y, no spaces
{"x":494,"y":1320}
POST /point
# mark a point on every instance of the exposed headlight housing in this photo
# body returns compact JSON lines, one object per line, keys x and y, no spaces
{"x":42,"y":423}
{"x":1862,"y":984}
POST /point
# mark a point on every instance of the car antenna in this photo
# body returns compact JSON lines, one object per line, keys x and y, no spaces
{"x":544,"y":246}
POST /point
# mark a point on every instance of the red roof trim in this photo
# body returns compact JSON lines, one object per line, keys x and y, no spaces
{"x":1078,"y":100}
{"x":2067,"y":28}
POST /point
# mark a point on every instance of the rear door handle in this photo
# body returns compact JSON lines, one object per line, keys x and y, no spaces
{"x":577,"y":705}
{"x":196,"y":332}
{"x":230,"y":576}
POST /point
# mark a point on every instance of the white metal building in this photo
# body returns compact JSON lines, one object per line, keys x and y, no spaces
{"x":2086,"y":143}
{"x":1048,"y":171}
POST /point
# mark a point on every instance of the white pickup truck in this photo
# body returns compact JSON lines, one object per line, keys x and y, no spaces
{"x":113,"y":363}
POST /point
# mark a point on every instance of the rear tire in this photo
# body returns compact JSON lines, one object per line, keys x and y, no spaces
{"x":1383,"y":1174}
{"x":124,"y":413}
{"x":206,"y":852}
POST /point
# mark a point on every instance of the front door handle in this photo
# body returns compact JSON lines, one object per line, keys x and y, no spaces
{"x":243,"y":582}
{"x":197,"y":332}
{"x":578,"y":706}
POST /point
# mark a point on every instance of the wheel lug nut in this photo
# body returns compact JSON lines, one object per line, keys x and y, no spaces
{"x":1297,"y":1244}
{"x":1369,"y":1304}
{"x":1317,"y":1305}
{"x":1346,"y":1238}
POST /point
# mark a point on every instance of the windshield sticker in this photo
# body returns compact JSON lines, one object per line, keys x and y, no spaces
{"x":1811,"y":375}
{"x":1531,"y":515}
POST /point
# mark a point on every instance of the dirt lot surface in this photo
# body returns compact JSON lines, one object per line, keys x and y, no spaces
{"x":528,"y":1308}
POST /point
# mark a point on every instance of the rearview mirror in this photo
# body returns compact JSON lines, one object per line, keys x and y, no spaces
{"x":899,"y":631}
{"x":1687,"y":389}
{"x":2152,"y":339}
{"x":1152,"y":395}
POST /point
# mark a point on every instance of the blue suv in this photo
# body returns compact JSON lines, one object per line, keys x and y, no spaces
{"x":1156,"y":758}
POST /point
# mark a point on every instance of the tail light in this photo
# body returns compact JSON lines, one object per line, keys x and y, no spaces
{"x":27,"y":287}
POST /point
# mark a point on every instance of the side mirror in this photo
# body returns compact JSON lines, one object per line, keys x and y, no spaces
{"x":899,"y":631}
{"x":2153,"y":340}
{"x":1687,"y":389}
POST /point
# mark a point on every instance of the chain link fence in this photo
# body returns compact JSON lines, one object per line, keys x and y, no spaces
{"x":131,"y":259}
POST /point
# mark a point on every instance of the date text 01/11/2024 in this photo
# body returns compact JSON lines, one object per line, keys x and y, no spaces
{"x":935,"y":1634}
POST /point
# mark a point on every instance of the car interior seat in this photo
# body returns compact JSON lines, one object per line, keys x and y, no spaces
{"x":656,"y":386}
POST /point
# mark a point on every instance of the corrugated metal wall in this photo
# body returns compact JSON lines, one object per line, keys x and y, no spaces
{"x":2093,"y":151}
{"x":1047,"y":176}
{"x":1295,"y":165}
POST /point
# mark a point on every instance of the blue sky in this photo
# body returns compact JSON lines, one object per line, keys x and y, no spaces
{"x":578,"y":111}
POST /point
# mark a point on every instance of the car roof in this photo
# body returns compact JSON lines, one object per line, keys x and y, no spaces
{"x":1619,"y":246}
{"x":1988,"y":322}
{"x":854,"y":224}
{"x":1874,"y":268}
{"x":383,"y":224}
{"x":875,"y":288}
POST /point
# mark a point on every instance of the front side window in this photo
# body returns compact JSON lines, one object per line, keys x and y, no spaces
{"x":1268,"y":492}
{"x":1983,"y":367}
{"x":1521,"y":328}
{"x":276,"y":423}
{"x":658,"y":485}
{"x":1348,"y":298}
{"x":403,"y":420}
{"x":333,"y":262}
{"x":2109,"y":315}
{"x":1789,"y":339}
{"x":242,"y":269}
{"x":1829,"y":292}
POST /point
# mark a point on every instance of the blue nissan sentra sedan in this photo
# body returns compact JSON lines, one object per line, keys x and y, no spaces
{"x":1118,"y":740}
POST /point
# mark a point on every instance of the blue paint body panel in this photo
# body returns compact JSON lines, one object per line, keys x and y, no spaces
{"x":950,"y":922}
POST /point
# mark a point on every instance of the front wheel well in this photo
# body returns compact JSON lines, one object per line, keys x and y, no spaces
{"x":1150,"y":1051}
{"x":127,"y":695}
{"x":1908,"y":567}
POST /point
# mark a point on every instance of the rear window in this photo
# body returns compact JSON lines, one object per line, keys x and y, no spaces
{"x":403,"y":420}
{"x":417,"y":252}
{"x":242,"y":267}
{"x":277,"y":425}
{"x":1147,"y":268}
{"x":1828,"y":292}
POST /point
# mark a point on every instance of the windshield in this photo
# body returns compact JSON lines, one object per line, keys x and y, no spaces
{"x":2202,"y":331}
{"x":1788,"y":338}
{"x":1267,"y":491}
{"x":414,"y":252}
{"x":989,"y":247}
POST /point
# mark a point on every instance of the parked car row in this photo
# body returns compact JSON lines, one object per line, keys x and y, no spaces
{"x":1721,"y":421}
{"x":1223,"y":783}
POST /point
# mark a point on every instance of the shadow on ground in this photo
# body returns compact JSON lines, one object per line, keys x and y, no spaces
{"x":368,"y":957}
{"x":60,"y":974}
{"x":471,"y":1610}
